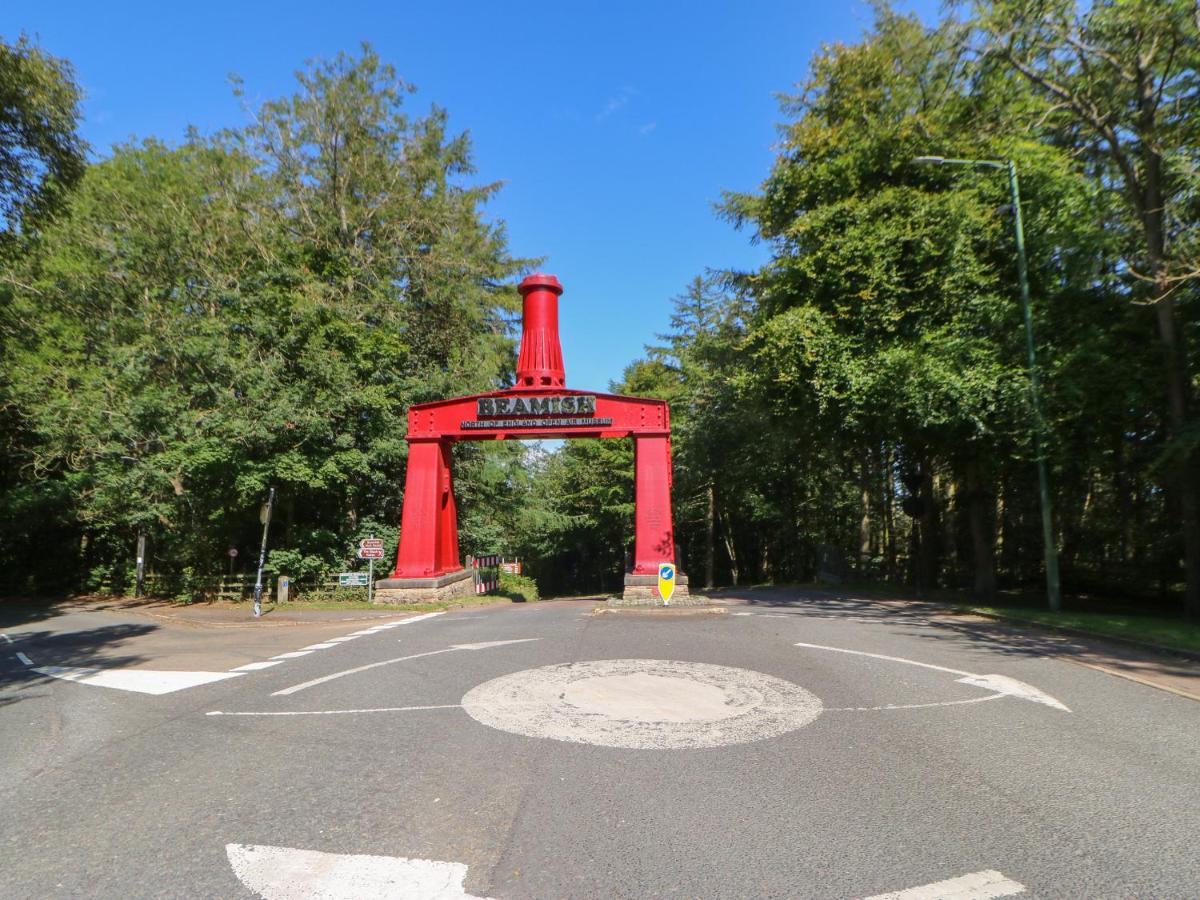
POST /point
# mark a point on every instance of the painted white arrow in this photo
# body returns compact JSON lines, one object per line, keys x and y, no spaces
{"x":484,"y":645}
{"x":976,"y":886}
{"x":387,"y":662}
{"x":1000,"y":684}
{"x":285,"y":873}
{"x":143,"y":681}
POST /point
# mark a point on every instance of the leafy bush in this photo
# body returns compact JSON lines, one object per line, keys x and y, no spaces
{"x":332,"y":595}
{"x":296,"y":564}
{"x":518,"y":588}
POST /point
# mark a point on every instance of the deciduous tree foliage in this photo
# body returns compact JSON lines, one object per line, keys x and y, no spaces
{"x":860,"y":404}
{"x":1121,"y":84}
{"x":41,"y":154}
{"x":256,"y":308}
{"x":191,"y":323}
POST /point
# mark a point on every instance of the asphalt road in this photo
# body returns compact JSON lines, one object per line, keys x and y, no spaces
{"x":738,"y":755}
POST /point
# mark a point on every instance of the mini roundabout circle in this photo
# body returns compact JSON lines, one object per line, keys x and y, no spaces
{"x":643,"y":704}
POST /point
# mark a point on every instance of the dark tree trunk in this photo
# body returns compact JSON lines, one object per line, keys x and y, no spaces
{"x":889,"y":515}
{"x":930,"y":550}
{"x":982,"y":550}
{"x":864,"y":522}
{"x":710,"y":536}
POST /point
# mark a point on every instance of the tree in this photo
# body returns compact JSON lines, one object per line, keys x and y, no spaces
{"x":41,"y":153}
{"x":41,"y":158}
{"x":1122,"y":80}
{"x":258,"y":308}
{"x":887,"y":316}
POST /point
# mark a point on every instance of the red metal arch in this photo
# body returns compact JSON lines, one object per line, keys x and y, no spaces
{"x":538,"y":406}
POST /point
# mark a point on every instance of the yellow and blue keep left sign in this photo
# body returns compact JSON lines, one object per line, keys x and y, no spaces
{"x":666,"y":581}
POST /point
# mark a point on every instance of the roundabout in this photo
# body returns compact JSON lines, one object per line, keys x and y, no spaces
{"x":643,"y":704}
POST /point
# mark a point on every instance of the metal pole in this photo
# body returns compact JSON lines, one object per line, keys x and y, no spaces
{"x":371,"y":576}
{"x":140,"y":580}
{"x":262,"y":555}
{"x":1053,"y":592}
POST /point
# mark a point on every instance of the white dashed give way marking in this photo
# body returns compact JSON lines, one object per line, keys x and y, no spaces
{"x":1000,"y":684}
{"x":143,"y":681}
{"x":153,"y":681}
{"x":284,"y":873}
{"x":976,"y":886}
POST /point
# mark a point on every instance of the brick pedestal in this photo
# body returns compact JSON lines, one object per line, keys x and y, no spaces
{"x":642,"y":590}
{"x":450,"y":586}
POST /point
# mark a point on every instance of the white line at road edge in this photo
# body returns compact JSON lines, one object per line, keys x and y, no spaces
{"x":337,"y":712}
{"x":285,"y":873}
{"x":977,"y":886}
{"x":387,"y":662}
{"x":1001,"y":684}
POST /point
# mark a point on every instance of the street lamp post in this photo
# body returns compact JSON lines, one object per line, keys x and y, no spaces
{"x":265,"y":516}
{"x":1053,"y":592}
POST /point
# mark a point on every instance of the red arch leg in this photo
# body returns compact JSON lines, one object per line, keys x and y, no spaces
{"x":654,"y":539}
{"x":429,"y":523}
{"x":447,"y":545}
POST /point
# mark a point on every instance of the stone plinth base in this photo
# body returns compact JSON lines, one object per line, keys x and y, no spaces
{"x":423,"y":590}
{"x":642,"y":590}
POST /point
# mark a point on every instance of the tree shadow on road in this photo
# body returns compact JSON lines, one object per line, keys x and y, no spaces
{"x":90,"y":647}
{"x":964,"y":630}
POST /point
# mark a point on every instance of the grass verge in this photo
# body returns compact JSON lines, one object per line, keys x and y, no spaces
{"x":1172,"y":633}
{"x":432,"y":606}
{"x":1119,"y":621}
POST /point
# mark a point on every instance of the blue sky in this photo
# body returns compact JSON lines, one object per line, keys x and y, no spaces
{"x":614,"y":125}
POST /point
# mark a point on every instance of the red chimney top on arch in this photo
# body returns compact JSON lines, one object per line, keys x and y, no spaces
{"x":540,"y":363}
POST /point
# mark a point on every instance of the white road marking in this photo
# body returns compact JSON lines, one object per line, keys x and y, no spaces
{"x":642,"y":704}
{"x":485,"y":645}
{"x":420,"y":618}
{"x":336,"y":712}
{"x":387,"y":662}
{"x":23,"y":658}
{"x":899,"y":659}
{"x":285,"y":873}
{"x":1013,"y":688}
{"x":6,"y":637}
{"x":143,"y":681}
{"x":325,"y":645}
{"x":1001,"y":684}
{"x":977,"y":886}
{"x":913,"y":705}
